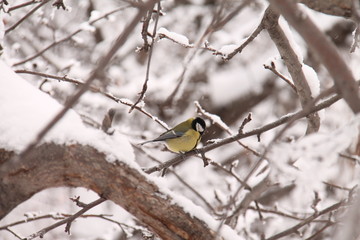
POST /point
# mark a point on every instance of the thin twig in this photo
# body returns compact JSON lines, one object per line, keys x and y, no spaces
{"x":239,"y":49}
{"x":70,"y":36}
{"x":215,"y":119}
{"x":181,"y":180}
{"x":215,"y":24}
{"x":26,"y":16}
{"x":219,"y":166}
{"x":97,"y":90}
{"x":152,"y":45}
{"x":13,"y":233}
{"x":66,"y":221}
{"x":307,"y":220}
{"x":315,"y":235}
{"x":22,"y":5}
{"x":58,"y":216}
{"x":272,"y":68}
{"x":225,"y":56}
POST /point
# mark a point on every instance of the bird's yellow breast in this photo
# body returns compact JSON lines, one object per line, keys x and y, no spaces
{"x":185,"y":143}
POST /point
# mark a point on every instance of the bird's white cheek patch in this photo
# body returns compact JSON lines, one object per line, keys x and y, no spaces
{"x":199,"y":128}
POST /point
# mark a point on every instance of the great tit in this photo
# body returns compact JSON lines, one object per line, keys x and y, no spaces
{"x":184,"y":137}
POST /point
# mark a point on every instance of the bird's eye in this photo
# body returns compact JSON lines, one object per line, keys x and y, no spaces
{"x":199,"y":128}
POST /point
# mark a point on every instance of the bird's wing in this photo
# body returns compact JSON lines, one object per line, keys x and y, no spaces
{"x":166,"y":135}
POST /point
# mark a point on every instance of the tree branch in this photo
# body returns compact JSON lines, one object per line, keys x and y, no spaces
{"x":83,"y":166}
{"x":293,"y":65}
{"x":324,"y":48}
{"x":254,"y":132}
{"x":307,"y":220}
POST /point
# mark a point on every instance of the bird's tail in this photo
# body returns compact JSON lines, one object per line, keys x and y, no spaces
{"x":142,"y":143}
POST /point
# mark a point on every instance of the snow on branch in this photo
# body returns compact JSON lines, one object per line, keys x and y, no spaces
{"x":110,"y":181}
{"x":326,"y":51}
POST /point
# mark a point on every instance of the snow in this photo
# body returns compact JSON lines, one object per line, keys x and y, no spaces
{"x":94,"y":15}
{"x":27,"y":110}
{"x":312,"y":80}
{"x":227,"y":49}
{"x":285,"y":27}
{"x":310,"y":74}
{"x":85,"y":26}
{"x":195,"y":211}
{"x":181,"y":39}
{"x":314,"y":158}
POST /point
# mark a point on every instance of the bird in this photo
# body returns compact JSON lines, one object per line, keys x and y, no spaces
{"x":184,"y":137}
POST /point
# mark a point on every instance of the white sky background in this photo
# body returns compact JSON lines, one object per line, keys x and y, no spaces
{"x":24,"y":107}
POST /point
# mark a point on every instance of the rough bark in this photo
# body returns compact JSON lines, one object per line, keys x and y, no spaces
{"x":341,"y":8}
{"x":75,"y":165}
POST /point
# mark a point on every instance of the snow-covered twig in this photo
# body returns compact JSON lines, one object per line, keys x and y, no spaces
{"x":217,"y":22}
{"x":326,"y":51}
{"x":294,"y":63}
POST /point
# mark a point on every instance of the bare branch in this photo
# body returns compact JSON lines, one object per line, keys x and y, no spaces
{"x":66,"y":221}
{"x":152,"y":45}
{"x":308,"y":220}
{"x":217,"y":22}
{"x":13,"y":233}
{"x":253,"y":35}
{"x":22,"y":5}
{"x":272,"y":68}
{"x":186,"y":184}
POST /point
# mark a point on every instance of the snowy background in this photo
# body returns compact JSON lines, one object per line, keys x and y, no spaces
{"x":298,"y":171}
